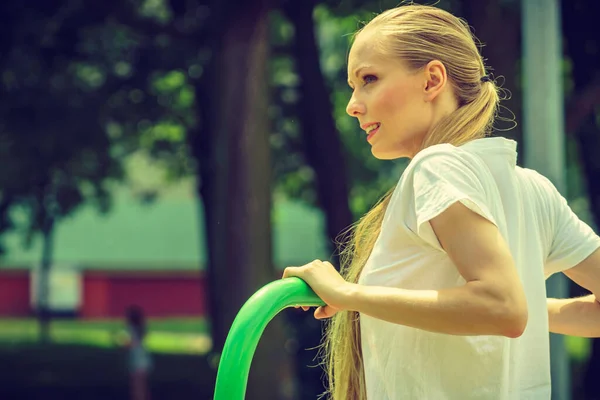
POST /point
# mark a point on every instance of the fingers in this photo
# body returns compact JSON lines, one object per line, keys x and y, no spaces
{"x":325,"y":312}
{"x":298,"y":271}
{"x":322,"y":312}
{"x":305,"y":308}
{"x":306,"y":272}
{"x":289,"y":271}
{"x":293,"y":271}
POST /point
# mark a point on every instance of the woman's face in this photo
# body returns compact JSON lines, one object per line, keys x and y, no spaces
{"x":389,"y":97}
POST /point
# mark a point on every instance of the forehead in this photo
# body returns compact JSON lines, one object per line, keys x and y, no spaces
{"x":364,"y":52}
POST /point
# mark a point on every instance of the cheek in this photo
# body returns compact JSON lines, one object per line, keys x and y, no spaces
{"x":400,"y":103}
{"x":400,"y":109}
{"x":390,"y":101}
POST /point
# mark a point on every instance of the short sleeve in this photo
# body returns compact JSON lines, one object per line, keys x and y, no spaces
{"x":441,"y":179}
{"x":572,"y":239}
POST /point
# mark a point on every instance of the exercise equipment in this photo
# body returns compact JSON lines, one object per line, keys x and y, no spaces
{"x":247,"y":328}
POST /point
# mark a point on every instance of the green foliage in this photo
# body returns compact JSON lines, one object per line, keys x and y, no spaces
{"x":82,"y":96}
{"x":54,"y":148}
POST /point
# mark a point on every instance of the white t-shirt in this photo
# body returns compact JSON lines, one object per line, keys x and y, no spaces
{"x":544,"y":237}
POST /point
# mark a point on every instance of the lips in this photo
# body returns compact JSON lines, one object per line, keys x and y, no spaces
{"x":372,"y":133}
{"x":368,"y":124}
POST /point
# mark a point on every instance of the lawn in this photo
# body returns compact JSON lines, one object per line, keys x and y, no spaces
{"x":170,"y":335}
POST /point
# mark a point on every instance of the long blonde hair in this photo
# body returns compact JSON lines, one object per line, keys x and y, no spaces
{"x":415,"y":34}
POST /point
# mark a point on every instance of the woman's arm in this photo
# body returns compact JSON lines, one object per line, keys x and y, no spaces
{"x":492,"y":301}
{"x":575,"y":317}
{"x":472,"y":309}
{"x":581,"y":316}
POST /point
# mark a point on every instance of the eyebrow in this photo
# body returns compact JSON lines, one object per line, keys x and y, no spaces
{"x":357,"y":70}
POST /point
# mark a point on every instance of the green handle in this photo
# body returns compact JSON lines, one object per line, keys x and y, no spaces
{"x":248,"y":326}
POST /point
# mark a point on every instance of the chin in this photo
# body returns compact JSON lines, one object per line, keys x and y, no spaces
{"x":388,"y":155}
{"x":395,"y":150}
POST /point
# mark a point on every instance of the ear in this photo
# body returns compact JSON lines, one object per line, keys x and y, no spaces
{"x":435,"y":79}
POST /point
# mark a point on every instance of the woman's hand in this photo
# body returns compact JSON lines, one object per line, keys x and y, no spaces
{"x":326,"y":282}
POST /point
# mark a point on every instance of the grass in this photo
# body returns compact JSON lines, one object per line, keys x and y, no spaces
{"x":172,"y":335}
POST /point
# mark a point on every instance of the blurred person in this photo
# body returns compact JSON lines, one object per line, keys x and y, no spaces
{"x":442,"y":291}
{"x":140,"y":362}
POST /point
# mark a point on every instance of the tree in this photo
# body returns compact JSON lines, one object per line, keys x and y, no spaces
{"x":322,"y":144}
{"x":232,"y":147}
{"x":55,"y":151}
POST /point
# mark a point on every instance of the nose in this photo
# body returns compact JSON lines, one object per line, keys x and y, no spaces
{"x":355,"y":107}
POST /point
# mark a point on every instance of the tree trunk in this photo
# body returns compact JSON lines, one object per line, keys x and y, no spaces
{"x":235,"y":181}
{"x":323,"y":151}
{"x":323,"y":148}
{"x":43,"y":284}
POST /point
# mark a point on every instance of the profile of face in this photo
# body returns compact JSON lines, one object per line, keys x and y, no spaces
{"x":396,"y":106}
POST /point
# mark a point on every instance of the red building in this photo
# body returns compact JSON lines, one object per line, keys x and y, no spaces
{"x":159,"y":293}
{"x":106,"y":294}
{"x":14,"y":293}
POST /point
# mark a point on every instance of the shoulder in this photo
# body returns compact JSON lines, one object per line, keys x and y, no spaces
{"x":535,"y":177}
{"x":438,"y":178}
{"x":445,"y":163}
{"x":541,"y":186}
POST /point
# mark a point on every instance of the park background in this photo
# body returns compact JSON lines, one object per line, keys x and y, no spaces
{"x":178,"y":154}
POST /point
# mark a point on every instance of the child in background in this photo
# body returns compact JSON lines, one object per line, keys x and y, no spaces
{"x":140,"y":362}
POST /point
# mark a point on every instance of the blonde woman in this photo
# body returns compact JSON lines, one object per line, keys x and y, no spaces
{"x":442,"y":290}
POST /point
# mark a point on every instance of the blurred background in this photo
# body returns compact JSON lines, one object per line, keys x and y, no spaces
{"x":175,"y":155}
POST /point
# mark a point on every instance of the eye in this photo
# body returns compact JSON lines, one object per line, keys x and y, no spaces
{"x":369,"y":79}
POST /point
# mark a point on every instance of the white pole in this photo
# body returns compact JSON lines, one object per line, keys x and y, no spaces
{"x":543,"y":120}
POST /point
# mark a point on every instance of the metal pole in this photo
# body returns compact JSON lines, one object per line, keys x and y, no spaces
{"x":544,"y":136}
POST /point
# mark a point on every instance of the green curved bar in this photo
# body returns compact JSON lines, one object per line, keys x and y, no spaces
{"x":247,"y":328}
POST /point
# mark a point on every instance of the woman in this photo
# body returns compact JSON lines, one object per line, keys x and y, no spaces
{"x":442,"y":292}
